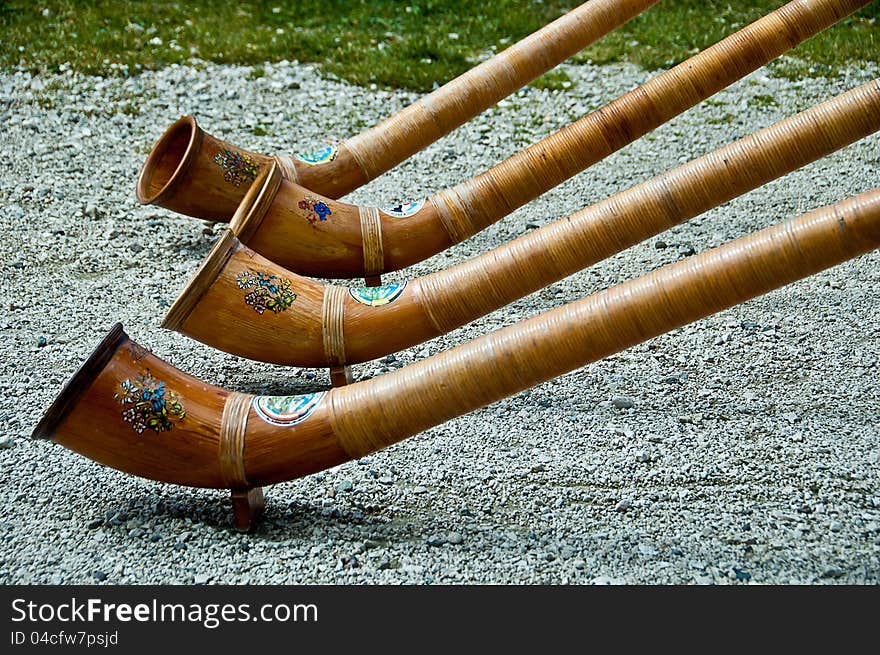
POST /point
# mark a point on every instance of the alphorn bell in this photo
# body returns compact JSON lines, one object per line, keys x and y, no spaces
{"x":244,"y":304}
{"x":214,"y":187}
{"x":315,"y":236}
{"x":130,"y":410}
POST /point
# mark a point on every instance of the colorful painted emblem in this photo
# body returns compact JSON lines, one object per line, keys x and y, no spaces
{"x":239,"y":168}
{"x":146,"y":403}
{"x":266,"y":291}
{"x":316,"y":210}
{"x":287,"y":410}
{"x":319,"y":156}
{"x":405,"y":209}
{"x":377,"y":296}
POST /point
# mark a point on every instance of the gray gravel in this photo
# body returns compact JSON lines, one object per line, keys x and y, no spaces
{"x":743,"y":449}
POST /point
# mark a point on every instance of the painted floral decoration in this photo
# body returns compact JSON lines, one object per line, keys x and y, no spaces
{"x":266,"y":291}
{"x":287,"y":410}
{"x":239,"y":168}
{"x":319,"y":156}
{"x":377,"y":296}
{"x":148,"y":404}
{"x":405,"y":209}
{"x":316,"y":210}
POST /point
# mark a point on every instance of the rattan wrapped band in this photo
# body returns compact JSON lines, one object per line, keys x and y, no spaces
{"x":300,"y":435}
{"x":473,"y":205}
{"x":433,"y":304}
{"x":451,"y":210}
{"x":356,"y":161}
{"x":233,"y":427}
{"x":386,"y":409}
{"x":333,"y":320}
{"x":288,"y":167}
{"x":371,"y":233}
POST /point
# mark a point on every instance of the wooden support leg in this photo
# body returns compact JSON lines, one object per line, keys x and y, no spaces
{"x":247,"y":507}
{"x":340,"y":376}
{"x":373,"y":280}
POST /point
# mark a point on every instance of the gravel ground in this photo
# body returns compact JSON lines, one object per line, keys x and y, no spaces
{"x":742,"y":449}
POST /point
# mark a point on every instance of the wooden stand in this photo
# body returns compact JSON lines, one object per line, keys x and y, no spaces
{"x":340,"y":376}
{"x":247,"y":507}
{"x":373,"y":280}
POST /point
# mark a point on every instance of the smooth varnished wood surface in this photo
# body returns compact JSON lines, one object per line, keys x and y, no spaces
{"x":334,"y":247}
{"x":199,"y":188}
{"x":351,"y":421}
{"x":212,"y":307}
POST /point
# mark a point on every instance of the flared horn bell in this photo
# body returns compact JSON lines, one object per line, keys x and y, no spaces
{"x":244,"y":304}
{"x":193,"y":173}
{"x":335,"y":170}
{"x":312,"y":234}
{"x":130,"y":410}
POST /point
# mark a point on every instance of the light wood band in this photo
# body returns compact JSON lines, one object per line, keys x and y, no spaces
{"x":233,"y":427}
{"x":451,"y":205}
{"x":371,"y":233}
{"x":333,"y":320}
{"x":370,"y":415}
{"x":287,"y":167}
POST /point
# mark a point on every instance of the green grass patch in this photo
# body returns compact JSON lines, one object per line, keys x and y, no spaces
{"x":555,"y":80}
{"x":414,"y":45}
{"x":763,"y":100}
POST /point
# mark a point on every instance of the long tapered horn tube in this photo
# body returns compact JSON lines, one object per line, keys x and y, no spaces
{"x":315,"y":236}
{"x":194,"y":173}
{"x":244,"y":304}
{"x":132,"y":411}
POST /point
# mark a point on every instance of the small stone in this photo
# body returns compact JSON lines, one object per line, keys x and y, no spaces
{"x":41,"y":341}
{"x":94,"y":525}
{"x":660,"y":245}
{"x":622,"y":506}
{"x":622,"y":402}
{"x":538,"y":468}
{"x":579,"y":564}
{"x":201,"y":578}
{"x":420,"y":490}
{"x":384,"y":564}
{"x":345,"y":485}
{"x":436,"y":540}
{"x":836,"y":526}
{"x":832,"y":572}
{"x":454,"y":538}
{"x":386,"y":480}
{"x":100,"y":576}
{"x":6,"y":441}
{"x":643,"y":456}
{"x":742,"y":576}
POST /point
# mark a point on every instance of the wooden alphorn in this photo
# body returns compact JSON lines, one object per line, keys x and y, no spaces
{"x":130,"y":410}
{"x":315,"y":236}
{"x":183,"y":171}
{"x":242,"y":303}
